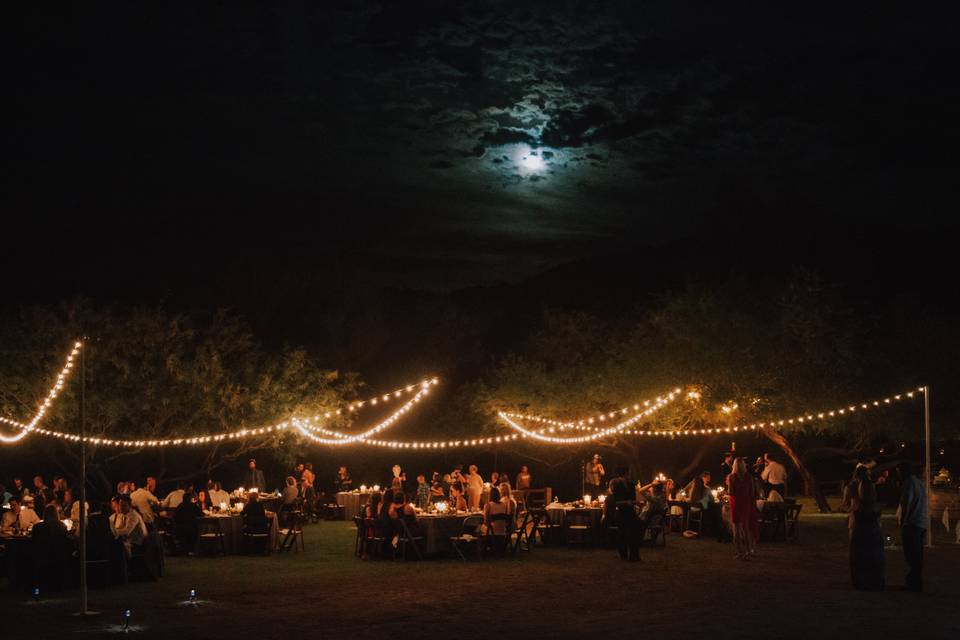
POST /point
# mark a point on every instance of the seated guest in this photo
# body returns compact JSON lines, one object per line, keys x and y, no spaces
{"x":19,"y":517}
{"x":423,"y":492}
{"x":700,"y":491}
{"x":655,"y":505}
{"x":175,"y":497}
{"x":436,"y":489}
{"x":216,"y":493}
{"x":504,"y":479}
{"x":20,"y":489}
{"x":4,"y":496}
{"x":506,"y":497}
{"x":75,"y":513}
{"x":372,"y":508}
{"x":146,"y":504}
{"x":255,"y":516}
{"x":202,"y":501}
{"x":66,"y":501}
{"x":457,"y":501}
{"x":41,"y":493}
{"x":383,"y":518}
{"x":290,"y":494}
{"x":185,"y":517}
{"x":400,"y":509}
{"x":127,"y":526}
{"x":49,"y":531}
{"x":495,"y":506}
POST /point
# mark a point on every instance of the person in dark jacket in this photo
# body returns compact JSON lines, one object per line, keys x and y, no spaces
{"x":185,"y":518}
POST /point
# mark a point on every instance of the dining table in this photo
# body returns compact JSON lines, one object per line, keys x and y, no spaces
{"x":231,"y":525}
{"x":437,"y":529}
{"x":353,"y":502}
{"x":558,"y":512}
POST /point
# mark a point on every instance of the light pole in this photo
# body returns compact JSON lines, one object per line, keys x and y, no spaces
{"x":84,"y":611}
{"x":926,"y":474}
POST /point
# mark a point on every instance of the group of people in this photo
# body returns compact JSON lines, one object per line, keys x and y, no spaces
{"x":867,"y":561}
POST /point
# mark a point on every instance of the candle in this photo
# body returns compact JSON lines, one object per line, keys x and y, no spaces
{"x":587,"y":498}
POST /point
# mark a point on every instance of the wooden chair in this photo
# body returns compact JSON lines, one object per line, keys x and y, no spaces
{"x":579,"y":526}
{"x":523,"y":533}
{"x":405,"y":538}
{"x":257,"y":536}
{"x":468,"y":536}
{"x":772,"y":521}
{"x":293,"y":532}
{"x":375,"y":546}
{"x":656,"y":528}
{"x":546,"y":529}
{"x":792,"y":523}
{"x":498,"y":542}
{"x":210,"y":536}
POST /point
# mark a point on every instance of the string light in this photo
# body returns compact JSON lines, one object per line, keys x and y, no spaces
{"x":423,"y":387}
{"x":31,"y":426}
{"x":299,"y":424}
{"x":409,"y":444}
{"x":618,"y":428}
{"x":582,"y":424}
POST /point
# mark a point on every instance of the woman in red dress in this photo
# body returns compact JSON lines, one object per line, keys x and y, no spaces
{"x":744,"y":517}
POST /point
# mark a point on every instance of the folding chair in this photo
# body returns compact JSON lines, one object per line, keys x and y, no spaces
{"x":254,"y":536}
{"x":376,"y":545}
{"x":522,"y":534}
{"x":405,"y":538}
{"x":498,"y":542}
{"x":293,"y":532}
{"x":468,"y":536}
{"x":792,"y":523}
{"x":695,"y":519}
{"x":656,"y":528}
{"x":548,"y":531}
{"x":772,"y":521}
{"x":210,"y":535}
{"x":579,"y":527}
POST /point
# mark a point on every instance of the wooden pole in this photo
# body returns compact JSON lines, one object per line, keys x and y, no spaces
{"x":83,"y":481}
{"x":926,"y":474}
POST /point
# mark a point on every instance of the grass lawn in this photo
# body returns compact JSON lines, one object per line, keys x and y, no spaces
{"x":690,"y":589}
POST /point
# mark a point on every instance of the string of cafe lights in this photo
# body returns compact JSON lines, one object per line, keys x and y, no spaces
{"x":31,"y":426}
{"x":801,"y":419}
{"x":651,"y":408}
{"x":410,"y":444}
{"x":423,"y":387}
{"x":582,"y":424}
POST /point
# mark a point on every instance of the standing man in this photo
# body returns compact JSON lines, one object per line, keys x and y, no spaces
{"x":593,"y":476}
{"x":774,"y":475}
{"x":914,"y":520}
{"x":727,"y":467}
{"x":254,"y":477}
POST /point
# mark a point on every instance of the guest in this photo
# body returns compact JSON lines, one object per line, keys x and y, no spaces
{"x":914,"y":518}
{"x":19,"y":488}
{"x":670,"y":489}
{"x":371,"y":513}
{"x":494,"y":478}
{"x":216,"y":493}
{"x":495,"y":506}
{"x":343,"y":482}
{"x":701,"y":497}
{"x":400,"y":509}
{"x":146,"y":504}
{"x":623,"y":498}
{"x":504,"y":478}
{"x":866,"y":539}
{"x":654,"y":506}
{"x":506,"y":498}
{"x":4,"y":495}
{"x":774,"y":475}
{"x":202,"y":501}
{"x":41,"y":493}
{"x":128,"y":527}
{"x":75,"y":511}
{"x":308,"y":494}
{"x":726,"y":467}
{"x":593,"y":475}
{"x":474,"y":482}
{"x":423,"y":492}
{"x":436,"y":489}
{"x":66,"y":500}
{"x":457,"y":501}
{"x":255,"y":515}
{"x":253,"y":478}
{"x":457,"y":478}
{"x":290,"y":494}
{"x":524,"y":479}
{"x":122,"y":488}
{"x":59,"y":487}
{"x":185,"y":517}
{"x":175,"y":497}
{"x":19,"y":517}
{"x":50,"y":531}
{"x":383,"y":518}
{"x":744,"y":517}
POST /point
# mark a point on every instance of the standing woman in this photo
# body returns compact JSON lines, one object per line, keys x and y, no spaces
{"x":474,"y":488}
{"x":743,"y":510}
{"x":866,"y":540}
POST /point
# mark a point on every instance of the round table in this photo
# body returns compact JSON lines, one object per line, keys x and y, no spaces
{"x":352,"y":503}
{"x":231,"y":525}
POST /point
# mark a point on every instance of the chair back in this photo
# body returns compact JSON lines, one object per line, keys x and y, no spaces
{"x":501,"y":524}
{"x":470,"y":525}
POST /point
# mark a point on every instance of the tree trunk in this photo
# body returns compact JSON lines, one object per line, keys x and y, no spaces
{"x":811,"y":487}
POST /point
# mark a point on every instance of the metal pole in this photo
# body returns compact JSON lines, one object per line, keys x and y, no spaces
{"x":926,"y":473}
{"x":83,"y":480}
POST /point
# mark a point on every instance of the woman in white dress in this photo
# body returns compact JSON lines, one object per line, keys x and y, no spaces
{"x":474,"y":488}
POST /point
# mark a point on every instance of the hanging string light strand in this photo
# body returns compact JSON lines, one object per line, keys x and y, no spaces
{"x":31,"y":426}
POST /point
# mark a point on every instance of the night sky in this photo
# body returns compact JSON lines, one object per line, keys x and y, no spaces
{"x":158,"y":150}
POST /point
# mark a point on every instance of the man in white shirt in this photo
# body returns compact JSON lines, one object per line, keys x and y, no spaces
{"x":216,"y":494}
{"x":146,"y":503}
{"x":18,"y":517}
{"x":774,"y":475}
{"x":174,"y":498}
{"x":127,"y":525}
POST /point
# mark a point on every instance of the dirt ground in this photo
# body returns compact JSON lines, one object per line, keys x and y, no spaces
{"x":690,"y":588}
